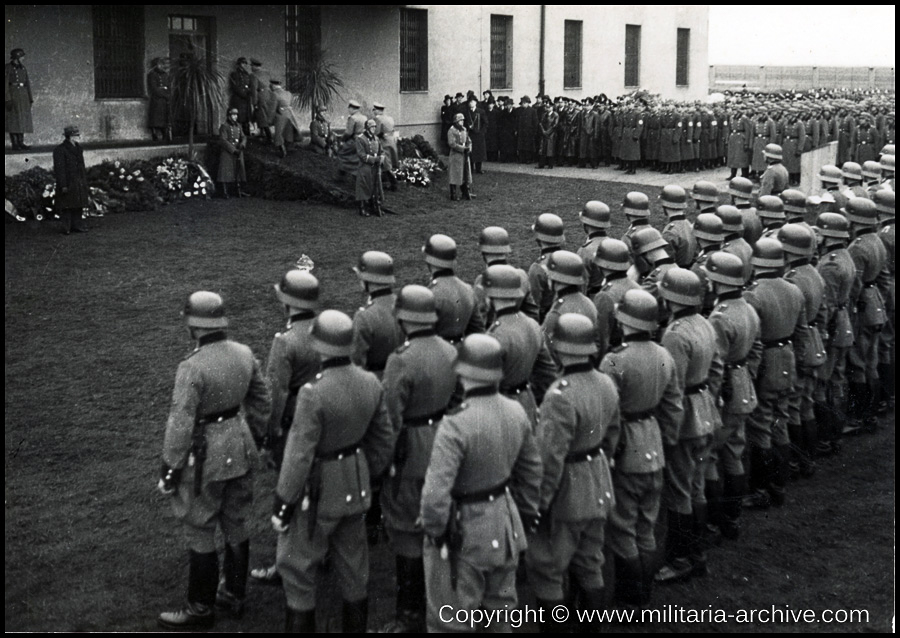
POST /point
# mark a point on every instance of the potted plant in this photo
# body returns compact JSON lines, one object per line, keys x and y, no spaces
{"x":197,"y":90}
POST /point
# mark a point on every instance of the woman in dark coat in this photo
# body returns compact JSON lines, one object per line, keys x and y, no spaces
{"x":527,"y":124}
{"x":506,"y":132}
{"x":447,"y":113}
{"x":492,"y":134}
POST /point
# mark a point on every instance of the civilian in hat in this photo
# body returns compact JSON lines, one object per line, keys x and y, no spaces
{"x":72,"y":191}
{"x":476,"y":125}
{"x":159,"y":88}
{"x":527,"y":130}
{"x":492,"y":130}
{"x":447,"y":113}
{"x":241,"y":98}
{"x":18,"y":101}
{"x":507,"y":142}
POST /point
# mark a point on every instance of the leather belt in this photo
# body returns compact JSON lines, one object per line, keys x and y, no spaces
{"x":737,"y":364}
{"x":337,"y":455}
{"x":586,"y":455}
{"x":481,"y":496}
{"x":516,"y":389}
{"x":630,"y":417}
{"x":428,"y":419}
{"x":218,"y":417}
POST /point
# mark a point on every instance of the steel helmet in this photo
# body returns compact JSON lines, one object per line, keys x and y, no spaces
{"x":636,"y":204}
{"x":416,"y":304}
{"x":796,"y":239}
{"x":565,"y":267}
{"x":376,"y":267}
{"x":773,"y":151}
{"x":725,"y":268}
{"x":770,"y":207}
{"x":682,"y":286}
{"x":732,"y":220}
{"x":480,"y":358}
{"x":860,"y":210}
{"x":332,"y":334}
{"x":851,"y":171}
{"x":494,"y":240}
{"x":704,"y":191}
{"x":440,"y":251}
{"x":871,"y":169}
{"x":884,"y":202}
{"x":830,"y":174}
{"x":574,"y":334}
{"x":205,"y":309}
{"x":298,"y":289}
{"x":709,"y":226}
{"x":549,"y":228}
{"x":887,"y":163}
{"x":740,"y":187}
{"x":646,"y":239}
{"x":502,"y":281}
{"x":768,"y":253}
{"x":673,"y":196}
{"x":833,"y":225}
{"x":794,"y":201}
{"x":595,"y":214}
{"x":612,"y":254}
{"x":638,"y":309}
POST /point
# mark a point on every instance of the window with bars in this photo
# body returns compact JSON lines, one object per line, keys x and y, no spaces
{"x":572,"y":55}
{"x":632,"y":55}
{"x":118,"y":51}
{"x":683,"y":57}
{"x":413,"y":50}
{"x":501,"y":51}
{"x":302,"y":39}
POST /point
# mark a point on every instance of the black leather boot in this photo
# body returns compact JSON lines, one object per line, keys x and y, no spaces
{"x":300,"y":622}
{"x":466,"y":193}
{"x":809,"y":437}
{"x":410,"y":597}
{"x":629,"y":587}
{"x":453,"y":196}
{"x":677,"y":567}
{"x":548,"y":626}
{"x":203,"y":579}
{"x":355,"y":616}
{"x":700,"y":541}
{"x":735,"y":488}
{"x":760,"y":472}
{"x":232,"y":590}
{"x":780,"y":474}
{"x":361,"y":207}
{"x":593,"y":600}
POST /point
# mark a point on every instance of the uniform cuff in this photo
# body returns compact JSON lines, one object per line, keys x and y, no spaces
{"x":283,"y":510}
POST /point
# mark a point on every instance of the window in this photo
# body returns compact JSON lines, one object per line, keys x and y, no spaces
{"x":118,"y":51}
{"x":683,"y":57}
{"x":413,"y":50}
{"x":501,"y":51}
{"x":632,"y":55}
{"x":572,"y":55}
{"x":302,"y":39}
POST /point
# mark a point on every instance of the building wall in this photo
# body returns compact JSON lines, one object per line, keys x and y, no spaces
{"x":58,"y":42}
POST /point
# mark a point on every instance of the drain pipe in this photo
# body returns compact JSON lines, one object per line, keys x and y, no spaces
{"x":543,"y":29}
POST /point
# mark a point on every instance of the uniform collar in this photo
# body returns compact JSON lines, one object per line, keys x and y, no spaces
{"x":381,"y":292}
{"x":427,"y":332}
{"x":775,"y":225}
{"x":638,"y":336}
{"x":443,"y":272}
{"x":676,"y":217}
{"x":887,"y":221}
{"x":832,"y":248}
{"x":585,"y":366}
{"x":615,"y":274}
{"x":335,"y":362}
{"x":212,"y":337}
{"x":482,"y":391}
{"x":733,"y":236}
{"x":302,"y":315}
{"x":663,"y":261}
{"x":743,"y":206}
{"x":865,"y":231}
{"x":597,"y":233}
{"x":509,"y":310}
{"x":803,"y":261}
{"x":731,"y":294}
{"x":546,"y":250}
{"x":640,"y":221}
{"x":566,"y":291}
{"x":771,"y":274}
{"x":498,"y":261}
{"x":684,"y":312}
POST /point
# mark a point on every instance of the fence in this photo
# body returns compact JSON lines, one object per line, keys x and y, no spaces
{"x":784,"y":78}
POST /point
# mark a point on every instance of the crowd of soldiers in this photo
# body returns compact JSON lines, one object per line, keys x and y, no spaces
{"x":669,"y":136}
{"x":551,"y":414}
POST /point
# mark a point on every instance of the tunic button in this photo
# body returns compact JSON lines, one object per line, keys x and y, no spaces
{"x":515,"y":534}
{"x":363,"y":494}
{"x":227,"y":461}
{"x":495,"y":543}
{"x":349,"y":498}
{"x":785,"y":373}
{"x":746,"y":401}
{"x":649,"y":456}
{"x":707,"y":423}
{"x":608,"y":495}
{"x":590,"y":458}
{"x":601,"y":501}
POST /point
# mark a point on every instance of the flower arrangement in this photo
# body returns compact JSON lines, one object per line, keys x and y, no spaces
{"x":416,"y":171}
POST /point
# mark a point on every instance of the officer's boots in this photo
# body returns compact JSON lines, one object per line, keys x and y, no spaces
{"x":629,"y":585}
{"x":233,"y":586}
{"x":715,"y":499}
{"x":885,"y":401}
{"x":454,"y":197}
{"x":410,"y":597}
{"x":548,"y":625}
{"x":780,"y":474}
{"x":355,"y":616}
{"x":376,"y":207}
{"x":678,"y":541}
{"x":203,"y":578}
{"x":735,"y":488}
{"x":701,"y":540}
{"x":826,"y":444}
{"x":761,"y":462}
{"x":858,"y":401}
{"x":240,"y":190}
{"x":809,"y":437}
{"x":593,"y":603}
{"x":300,"y":622}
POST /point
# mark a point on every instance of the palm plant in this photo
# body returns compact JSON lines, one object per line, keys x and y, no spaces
{"x":197,"y":89}
{"x":317,"y":85}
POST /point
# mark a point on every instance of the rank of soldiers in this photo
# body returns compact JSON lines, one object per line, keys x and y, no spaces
{"x":552,"y":414}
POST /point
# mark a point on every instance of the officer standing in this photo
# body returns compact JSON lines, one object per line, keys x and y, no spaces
{"x":384,"y":131}
{"x":782,"y":315}
{"x":341,"y":436}
{"x":595,"y":220}
{"x":495,"y":249}
{"x":677,"y":231}
{"x":460,"y":170}
{"x":232,"y":142}
{"x":208,"y":455}
{"x":842,"y":287}
{"x":565,"y":271}
{"x":738,"y":340}
{"x":292,"y":363}
{"x":636,"y":207}
{"x":72,"y":191}
{"x":160,"y":93}
{"x":241,"y":96}
{"x":614,"y":261}
{"x":776,"y":177}
{"x":419,"y":382}
{"x":650,"y":403}
{"x":579,"y":433}
{"x":483,"y":481}
{"x":457,"y":312}
{"x":763,"y":134}
{"x":348,"y":157}
{"x":691,"y":341}
{"x":368,"y":175}
{"x":548,"y":233}
{"x":771,"y":213}
{"x":870,"y":258}
{"x":797,"y":242}
{"x":528,"y":369}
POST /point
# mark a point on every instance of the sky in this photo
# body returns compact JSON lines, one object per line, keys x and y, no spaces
{"x":802,"y":35}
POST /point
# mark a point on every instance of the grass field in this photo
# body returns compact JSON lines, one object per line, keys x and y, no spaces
{"x":94,"y":337}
